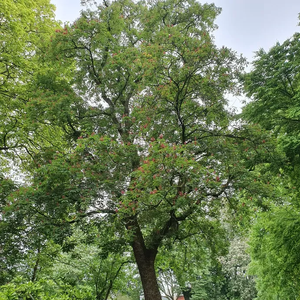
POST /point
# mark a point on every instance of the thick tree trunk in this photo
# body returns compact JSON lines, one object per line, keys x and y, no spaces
{"x":187,"y":293}
{"x":145,"y":259}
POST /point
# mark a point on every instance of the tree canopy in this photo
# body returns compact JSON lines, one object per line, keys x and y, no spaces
{"x":24,"y":25}
{"x":273,"y":85}
{"x":121,"y":124}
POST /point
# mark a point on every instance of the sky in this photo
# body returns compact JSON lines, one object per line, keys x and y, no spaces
{"x":244,"y":25}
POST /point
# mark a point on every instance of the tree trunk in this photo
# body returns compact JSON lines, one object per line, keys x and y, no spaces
{"x":35,"y":268}
{"x":187,"y":293}
{"x":145,"y":259}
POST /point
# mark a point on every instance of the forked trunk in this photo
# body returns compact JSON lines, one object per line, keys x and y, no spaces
{"x":145,"y":259}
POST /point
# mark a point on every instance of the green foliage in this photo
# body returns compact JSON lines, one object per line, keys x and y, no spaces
{"x":85,"y":271}
{"x":130,"y":135}
{"x":24,"y":26}
{"x":88,"y":266}
{"x":8,"y":253}
{"x":207,"y":287}
{"x":42,"y":290}
{"x":189,"y":258}
{"x":226,"y":277}
{"x":28,"y":22}
{"x":274,"y":87}
{"x":275,"y":254}
{"x":238,"y":284}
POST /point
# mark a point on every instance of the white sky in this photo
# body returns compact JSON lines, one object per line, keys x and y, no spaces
{"x":248,"y":25}
{"x":244,"y":25}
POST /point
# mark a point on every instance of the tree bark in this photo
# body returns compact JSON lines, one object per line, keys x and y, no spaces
{"x":187,"y":293}
{"x":145,"y":259}
{"x":35,"y":268}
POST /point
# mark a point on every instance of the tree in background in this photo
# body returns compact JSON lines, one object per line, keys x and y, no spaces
{"x":139,"y":143}
{"x":273,"y":86}
{"x":8,"y":252}
{"x":238,"y":284}
{"x":275,"y":254}
{"x":220,"y":277}
{"x":194,"y":258}
{"x":81,"y":267}
{"x":24,"y":26}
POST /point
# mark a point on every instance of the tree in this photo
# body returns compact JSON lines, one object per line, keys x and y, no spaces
{"x":274,"y":253}
{"x":7,"y":250}
{"x":24,"y":27}
{"x":222,"y":276}
{"x":152,"y":152}
{"x":168,"y":284}
{"x":192,"y":261}
{"x":29,"y":23}
{"x":273,"y":86}
{"x":81,"y":267}
{"x":87,"y":265}
{"x":41,"y":289}
{"x":238,"y":283}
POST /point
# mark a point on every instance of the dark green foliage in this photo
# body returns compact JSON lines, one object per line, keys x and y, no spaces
{"x":275,"y":254}
{"x":274,"y":88}
{"x":130,"y":136}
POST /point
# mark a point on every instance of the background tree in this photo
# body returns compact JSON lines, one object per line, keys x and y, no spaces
{"x":216,"y":275}
{"x":24,"y":25}
{"x":194,"y":258}
{"x":81,"y":266}
{"x":8,"y":253}
{"x":238,"y":284}
{"x":168,"y":284}
{"x":274,"y":253}
{"x":273,"y":86}
{"x":88,"y":265}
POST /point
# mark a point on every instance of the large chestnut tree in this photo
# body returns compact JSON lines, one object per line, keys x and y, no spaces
{"x":136,"y":90}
